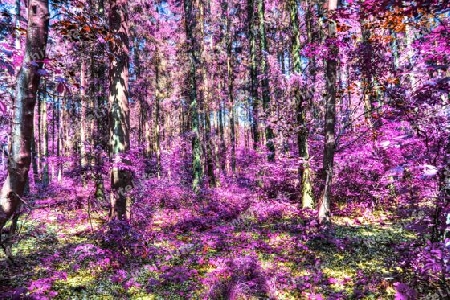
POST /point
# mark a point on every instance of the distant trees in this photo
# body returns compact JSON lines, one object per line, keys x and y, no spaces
{"x":197,"y":88}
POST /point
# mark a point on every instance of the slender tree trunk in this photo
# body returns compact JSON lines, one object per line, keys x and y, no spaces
{"x":366,"y":63}
{"x":190,"y":23}
{"x":23,"y":111}
{"x":265,"y":84}
{"x":252,"y":35}
{"x":302,"y":134}
{"x":119,"y":111}
{"x":59,"y":146}
{"x":44,"y":132}
{"x":208,"y":141}
{"x":157,"y":121}
{"x":98,"y":141}
{"x":230,"y":79}
{"x":222,"y":151}
{"x":330,"y":118}
{"x":83,"y":88}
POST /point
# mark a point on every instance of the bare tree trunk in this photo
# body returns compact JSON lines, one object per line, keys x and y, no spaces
{"x":208,"y":141}
{"x":230,"y":78}
{"x":159,"y":73}
{"x":119,"y":110}
{"x":252,"y":34}
{"x":190,"y":23}
{"x":23,"y":110}
{"x":44,"y":133}
{"x":83,"y":88}
{"x":60,"y":104}
{"x":330,"y":119}
{"x":265,"y":83}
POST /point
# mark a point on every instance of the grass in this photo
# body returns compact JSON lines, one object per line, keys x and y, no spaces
{"x":293,"y":264}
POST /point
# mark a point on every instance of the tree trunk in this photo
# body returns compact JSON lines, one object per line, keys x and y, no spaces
{"x":44,"y":133}
{"x":230,"y":78}
{"x":190,"y":22}
{"x":23,"y":110}
{"x":208,"y":141}
{"x":119,"y":111}
{"x":302,"y":134}
{"x":366,"y":63}
{"x":330,"y":118}
{"x":253,"y":72}
{"x":265,"y":85}
{"x":83,"y":88}
{"x":157,"y":122}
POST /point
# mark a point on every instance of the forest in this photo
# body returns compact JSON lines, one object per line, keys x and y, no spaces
{"x":225,"y":149}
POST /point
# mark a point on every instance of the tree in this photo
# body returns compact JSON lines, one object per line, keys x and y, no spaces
{"x":299,"y":99}
{"x":22,"y":132}
{"x":330,"y":117}
{"x":119,"y":111}
{"x":194,"y":56}
{"x":265,"y":84}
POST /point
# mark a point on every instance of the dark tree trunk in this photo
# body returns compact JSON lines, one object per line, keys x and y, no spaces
{"x":119,"y":110}
{"x":265,"y":84}
{"x":190,"y":24}
{"x":252,"y":35}
{"x":330,"y":119}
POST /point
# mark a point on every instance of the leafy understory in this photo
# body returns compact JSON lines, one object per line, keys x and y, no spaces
{"x":277,"y":251}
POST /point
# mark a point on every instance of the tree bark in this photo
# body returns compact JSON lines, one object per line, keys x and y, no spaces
{"x":83,"y":88}
{"x":119,"y":111}
{"x":23,"y":110}
{"x":330,"y":118}
{"x":265,"y":83}
{"x":252,"y":34}
{"x":230,"y":78}
{"x":190,"y":24}
{"x":302,"y":134}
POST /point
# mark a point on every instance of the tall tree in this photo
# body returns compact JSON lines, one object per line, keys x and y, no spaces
{"x":194,"y":55}
{"x":208,"y":140}
{"x":252,"y":38}
{"x":22,"y":135}
{"x":119,"y":110}
{"x":230,"y":78}
{"x":299,"y":98}
{"x":265,"y":84}
{"x":330,"y":116}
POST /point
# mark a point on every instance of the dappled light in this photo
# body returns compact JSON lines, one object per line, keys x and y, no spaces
{"x":224,"y":149}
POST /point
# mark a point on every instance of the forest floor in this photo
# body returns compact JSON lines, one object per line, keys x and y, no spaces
{"x":229,"y":245}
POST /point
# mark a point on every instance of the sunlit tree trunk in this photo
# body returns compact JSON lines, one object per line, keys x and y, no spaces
{"x":230,"y":87}
{"x":23,"y":111}
{"x":119,"y":110}
{"x":44,"y":134}
{"x":265,"y":84}
{"x":59,"y":146}
{"x":83,"y":88}
{"x":36,"y":149}
{"x":222,"y":149}
{"x":330,"y":118}
{"x":209,"y":142}
{"x":302,"y":135}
